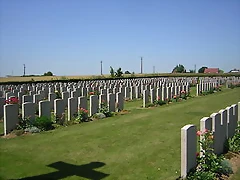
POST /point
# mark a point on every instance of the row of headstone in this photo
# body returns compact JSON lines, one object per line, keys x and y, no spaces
{"x":162,"y":93}
{"x":115,"y":102}
{"x":82,"y":88}
{"x":223,"y":125}
{"x":205,"y":87}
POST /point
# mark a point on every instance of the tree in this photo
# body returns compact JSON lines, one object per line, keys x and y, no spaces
{"x":202,"y":69}
{"x":191,"y":71}
{"x":119,"y":72}
{"x":220,"y":71}
{"x":127,"y":72}
{"x":49,"y":73}
{"x":112,"y":71}
{"x":179,"y":69}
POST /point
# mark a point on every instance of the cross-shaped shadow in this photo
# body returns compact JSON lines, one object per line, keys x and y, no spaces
{"x":66,"y":170}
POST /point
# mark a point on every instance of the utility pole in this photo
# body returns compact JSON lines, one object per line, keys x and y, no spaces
{"x":101,"y":68}
{"x":141,"y":65}
{"x":195,"y":70}
{"x":153,"y":69}
{"x":24,"y":69}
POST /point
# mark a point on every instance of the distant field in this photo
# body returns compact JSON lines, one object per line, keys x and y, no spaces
{"x":82,"y":77}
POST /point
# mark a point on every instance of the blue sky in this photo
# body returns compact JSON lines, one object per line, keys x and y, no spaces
{"x":71,"y":37}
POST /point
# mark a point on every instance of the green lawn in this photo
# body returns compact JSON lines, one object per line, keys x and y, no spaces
{"x":144,"y":144}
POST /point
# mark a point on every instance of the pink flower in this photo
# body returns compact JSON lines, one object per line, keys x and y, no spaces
{"x":199,"y":133}
{"x":206,"y":130}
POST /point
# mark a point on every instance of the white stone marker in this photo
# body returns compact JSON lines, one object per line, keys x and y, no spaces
{"x":188,"y":149}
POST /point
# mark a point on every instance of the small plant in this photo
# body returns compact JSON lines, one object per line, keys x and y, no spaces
{"x":60,"y":119}
{"x":23,"y":122}
{"x":159,"y":102}
{"x":184,"y":95}
{"x":150,"y":105}
{"x":44,"y":123}
{"x":105,"y":110}
{"x":209,"y":165}
{"x":234,"y":142}
{"x":175,"y":98}
{"x":82,"y":115}
{"x":58,"y":95}
{"x":12,"y":100}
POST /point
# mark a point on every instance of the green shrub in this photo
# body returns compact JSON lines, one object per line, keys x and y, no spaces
{"x":23,"y":123}
{"x":226,"y":167}
{"x":82,"y":115}
{"x":201,"y":175}
{"x":105,"y":110}
{"x":209,"y":165}
{"x":159,"y":102}
{"x":234,"y":142}
{"x":43,"y":123}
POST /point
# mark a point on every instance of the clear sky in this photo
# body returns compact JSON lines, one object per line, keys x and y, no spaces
{"x":71,"y":37}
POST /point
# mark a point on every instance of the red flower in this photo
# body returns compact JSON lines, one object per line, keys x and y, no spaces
{"x":197,"y":154}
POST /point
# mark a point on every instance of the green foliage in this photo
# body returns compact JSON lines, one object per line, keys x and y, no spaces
{"x":82,"y":115}
{"x":58,"y":95}
{"x":159,"y":102}
{"x":60,"y":119}
{"x":23,"y":123}
{"x":220,"y":71}
{"x":226,"y":167}
{"x":202,"y":69}
{"x":179,"y":69}
{"x":43,"y":123}
{"x":127,"y":72}
{"x":149,"y":105}
{"x":234,"y":142}
{"x":209,"y":165}
{"x":201,"y":175}
{"x":191,"y":71}
{"x":49,"y":73}
{"x":112,"y":71}
{"x":119,"y":72}
{"x":105,"y":110}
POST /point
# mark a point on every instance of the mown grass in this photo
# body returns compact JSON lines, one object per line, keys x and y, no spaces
{"x":144,"y":144}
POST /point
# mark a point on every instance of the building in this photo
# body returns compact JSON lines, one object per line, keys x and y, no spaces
{"x":234,"y":71}
{"x":212,"y":70}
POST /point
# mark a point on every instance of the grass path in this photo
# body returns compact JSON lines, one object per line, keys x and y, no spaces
{"x":144,"y":144}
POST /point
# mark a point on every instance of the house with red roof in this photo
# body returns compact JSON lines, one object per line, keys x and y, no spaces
{"x":212,"y":70}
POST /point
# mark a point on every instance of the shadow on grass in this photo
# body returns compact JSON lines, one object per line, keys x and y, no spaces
{"x":66,"y":170}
